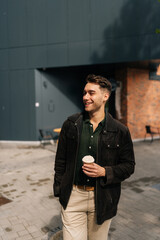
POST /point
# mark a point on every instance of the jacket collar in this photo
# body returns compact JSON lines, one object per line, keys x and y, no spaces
{"x":78,"y":117}
{"x":110,"y":124}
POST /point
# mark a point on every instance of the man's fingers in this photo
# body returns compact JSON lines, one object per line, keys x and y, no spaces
{"x":90,"y":166}
{"x":90,"y":174}
{"x":93,"y":170}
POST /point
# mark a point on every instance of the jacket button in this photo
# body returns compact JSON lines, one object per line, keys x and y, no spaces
{"x":117,"y":145}
{"x":75,"y":124}
{"x":108,"y":145}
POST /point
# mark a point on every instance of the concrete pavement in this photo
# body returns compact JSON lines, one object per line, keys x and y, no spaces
{"x":26,"y":177}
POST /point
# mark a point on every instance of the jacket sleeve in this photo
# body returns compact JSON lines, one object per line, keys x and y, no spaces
{"x":60,"y":161}
{"x":125,"y":164}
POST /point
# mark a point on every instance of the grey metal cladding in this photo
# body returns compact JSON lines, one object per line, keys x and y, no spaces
{"x":3,"y":24}
{"x":17,"y":23}
{"x":57,"y":21}
{"x":4,"y":106}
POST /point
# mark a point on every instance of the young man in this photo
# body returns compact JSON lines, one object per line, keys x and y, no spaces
{"x":89,"y":193}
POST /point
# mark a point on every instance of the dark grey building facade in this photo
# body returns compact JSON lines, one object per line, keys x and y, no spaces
{"x":47,"y":47}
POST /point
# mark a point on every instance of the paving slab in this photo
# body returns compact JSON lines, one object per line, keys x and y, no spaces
{"x":26,"y":179}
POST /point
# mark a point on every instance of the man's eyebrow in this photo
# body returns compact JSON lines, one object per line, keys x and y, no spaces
{"x":89,"y":91}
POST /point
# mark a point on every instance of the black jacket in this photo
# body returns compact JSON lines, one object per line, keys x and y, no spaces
{"x":115,"y":153}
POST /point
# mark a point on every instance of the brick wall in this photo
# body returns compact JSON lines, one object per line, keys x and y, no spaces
{"x":140,"y":100}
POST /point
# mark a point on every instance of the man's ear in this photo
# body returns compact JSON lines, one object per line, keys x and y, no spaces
{"x":106,"y":96}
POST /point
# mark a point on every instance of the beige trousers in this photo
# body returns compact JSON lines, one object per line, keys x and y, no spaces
{"x":79,"y":220}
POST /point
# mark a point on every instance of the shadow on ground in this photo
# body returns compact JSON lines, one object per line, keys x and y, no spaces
{"x":53,"y":230}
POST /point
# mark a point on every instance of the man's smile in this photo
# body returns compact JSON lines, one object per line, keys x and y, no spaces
{"x":87,"y":103}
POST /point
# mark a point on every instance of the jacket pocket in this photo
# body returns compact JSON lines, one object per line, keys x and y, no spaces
{"x":111,"y":152}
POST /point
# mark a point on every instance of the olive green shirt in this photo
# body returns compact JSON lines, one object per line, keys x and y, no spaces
{"x":88,"y":146}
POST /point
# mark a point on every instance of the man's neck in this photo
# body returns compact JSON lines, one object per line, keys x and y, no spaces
{"x":96,"y":117}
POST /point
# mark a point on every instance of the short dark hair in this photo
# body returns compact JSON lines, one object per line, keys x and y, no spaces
{"x":101,"y":81}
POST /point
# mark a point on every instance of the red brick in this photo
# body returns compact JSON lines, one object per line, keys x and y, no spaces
{"x":140,"y":100}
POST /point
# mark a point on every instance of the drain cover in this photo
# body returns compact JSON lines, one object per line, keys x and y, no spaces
{"x":3,"y":200}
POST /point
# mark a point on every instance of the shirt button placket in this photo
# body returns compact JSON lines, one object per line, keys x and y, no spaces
{"x":91,"y":131}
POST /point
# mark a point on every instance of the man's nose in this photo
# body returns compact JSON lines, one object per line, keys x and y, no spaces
{"x":85,"y":96}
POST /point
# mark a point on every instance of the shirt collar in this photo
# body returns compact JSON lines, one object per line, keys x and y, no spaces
{"x":87,"y":120}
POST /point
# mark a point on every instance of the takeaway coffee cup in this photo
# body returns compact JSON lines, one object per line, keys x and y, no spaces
{"x":88,"y":159}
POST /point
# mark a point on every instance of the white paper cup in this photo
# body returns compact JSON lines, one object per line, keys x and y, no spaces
{"x":88,"y":159}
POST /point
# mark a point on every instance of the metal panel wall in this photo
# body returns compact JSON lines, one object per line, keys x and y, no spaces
{"x":36,"y":22}
{"x":17,"y":23}
{"x":17,"y":58}
{"x":57,"y":23}
{"x":17,"y":105}
{"x":37,"y":56}
{"x":71,"y":32}
{"x":4,"y":59}
{"x":3,"y":24}
{"x":4,"y":106}
{"x":79,"y":20}
{"x":22,"y":106}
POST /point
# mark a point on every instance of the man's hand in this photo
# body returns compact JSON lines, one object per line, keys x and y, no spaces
{"x":93,"y":170}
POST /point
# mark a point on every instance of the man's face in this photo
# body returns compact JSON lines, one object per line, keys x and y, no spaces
{"x":94,"y":98}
